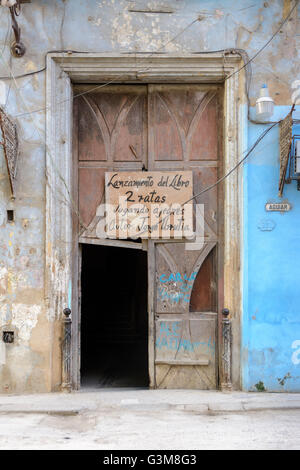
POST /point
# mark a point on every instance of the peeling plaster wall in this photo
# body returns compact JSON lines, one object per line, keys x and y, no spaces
{"x":32,"y":363}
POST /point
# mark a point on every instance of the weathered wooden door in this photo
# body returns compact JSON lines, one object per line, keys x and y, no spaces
{"x":184,"y":133}
{"x":163,"y":127}
{"x":112,"y":135}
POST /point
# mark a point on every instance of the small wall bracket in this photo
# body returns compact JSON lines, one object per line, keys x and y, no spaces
{"x":17,"y":48}
{"x":8,"y":336}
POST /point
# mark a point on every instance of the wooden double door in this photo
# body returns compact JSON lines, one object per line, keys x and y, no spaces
{"x":161,"y":128}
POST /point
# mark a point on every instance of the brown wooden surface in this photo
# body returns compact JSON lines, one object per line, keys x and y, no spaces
{"x":184,"y":133}
{"x":164,"y":128}
{"x":140,"y":191}
{"x":203,"y":295}
{"x":112,"y":133}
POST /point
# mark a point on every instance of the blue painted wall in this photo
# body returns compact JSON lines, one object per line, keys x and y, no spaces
{"x":271,"y":254}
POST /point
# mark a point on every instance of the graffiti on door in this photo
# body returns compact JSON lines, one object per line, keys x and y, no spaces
{"x":169,"y":338}
{"x":176,"y":286}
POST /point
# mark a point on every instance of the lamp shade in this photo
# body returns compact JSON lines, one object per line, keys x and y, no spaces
{"x":264,"y":104}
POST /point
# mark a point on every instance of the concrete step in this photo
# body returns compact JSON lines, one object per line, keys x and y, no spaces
{"x":103,"y":402}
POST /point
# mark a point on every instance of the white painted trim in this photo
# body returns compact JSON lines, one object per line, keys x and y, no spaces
{"x":129,"y":68}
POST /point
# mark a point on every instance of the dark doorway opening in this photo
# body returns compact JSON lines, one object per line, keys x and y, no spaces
{"x":114,"y":318}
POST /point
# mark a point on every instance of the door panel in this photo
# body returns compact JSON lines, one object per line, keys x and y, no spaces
{"x":184,"y":122}
{"x":91,"y":192}
{"x":112,"y":132}
{"x":185,"y":298}
{"x":185,"y":341}
{"x":203,"y":295}
{"x":112,"y":123}
{"x":176,"y":271}
{"x":185,"y":353}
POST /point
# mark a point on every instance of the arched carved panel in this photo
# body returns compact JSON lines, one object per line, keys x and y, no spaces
{"x":204,"y":143}
{"x":129,"y":138}
{"x":92,"y":132}
{"x":112,"y":129}
{"x":113,"y":125}
{"x":174,"y":277}
{"x":89,"y":200}
{"x":203,"y":295}
{"x":185,"y":126}
{"x":168,"y":142}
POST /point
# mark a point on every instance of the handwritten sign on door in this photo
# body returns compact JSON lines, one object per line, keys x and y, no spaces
{"x":148,"y":204}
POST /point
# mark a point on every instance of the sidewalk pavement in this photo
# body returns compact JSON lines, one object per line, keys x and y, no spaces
{"x":105,"y":399}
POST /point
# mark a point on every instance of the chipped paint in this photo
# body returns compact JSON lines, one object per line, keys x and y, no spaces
{"x":3,"y":93}
{"x":24,"y":318}
{"x":2,"y":353}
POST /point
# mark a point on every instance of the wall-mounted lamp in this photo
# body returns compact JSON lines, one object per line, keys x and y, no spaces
{"x":17,"y":48}
{"x":264,"y":105}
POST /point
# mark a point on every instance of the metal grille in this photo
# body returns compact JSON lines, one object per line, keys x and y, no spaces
{"x":66,"y":351}
{"x":226,"y":351}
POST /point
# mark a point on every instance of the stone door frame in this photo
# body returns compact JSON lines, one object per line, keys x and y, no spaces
{"x":61,"y":266}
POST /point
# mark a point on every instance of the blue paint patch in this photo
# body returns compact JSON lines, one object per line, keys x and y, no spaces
{"x":271,"y":281}
{"x":179,"y":289}
{"x":169,"y":339}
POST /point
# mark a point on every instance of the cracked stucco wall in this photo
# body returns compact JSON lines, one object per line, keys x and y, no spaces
{"x":32,"y":363}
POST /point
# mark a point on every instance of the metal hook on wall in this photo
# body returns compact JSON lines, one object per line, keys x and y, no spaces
{"x":17,"y":48}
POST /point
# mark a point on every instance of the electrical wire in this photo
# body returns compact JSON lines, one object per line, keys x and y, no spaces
{"x":114,"y":80}
{"x":264,"y":133}
{"x":23,"y":75}
{"x":70,"y":201}
{"x":220,"y":180}
{"x":208,"y":188}
{"x":226,"y":51}
{"x":242,"y":52}
{"x":266,"y":44}
{"x":70,"y":51}
{"x":54,"y":51}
